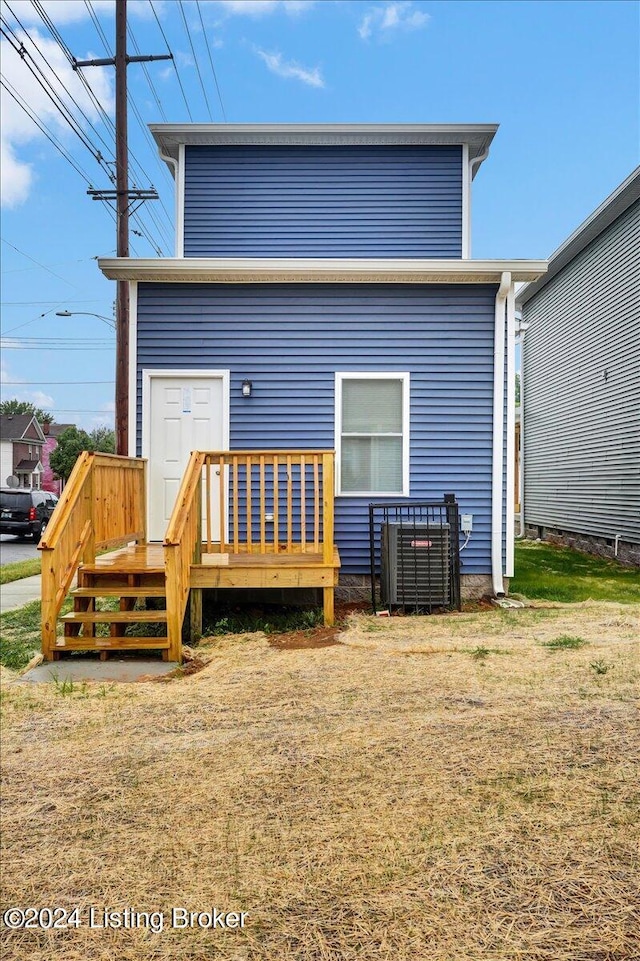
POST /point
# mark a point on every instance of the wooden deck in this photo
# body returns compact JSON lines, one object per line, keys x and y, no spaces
{"x":287,"y":493}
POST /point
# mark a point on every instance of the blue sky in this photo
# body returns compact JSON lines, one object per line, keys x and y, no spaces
{"x":561,"y":79}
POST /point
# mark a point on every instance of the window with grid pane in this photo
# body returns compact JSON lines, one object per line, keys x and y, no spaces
{"x":372,"y":435}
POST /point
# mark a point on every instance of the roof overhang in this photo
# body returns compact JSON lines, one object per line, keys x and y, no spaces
{"x":601,"y":218}
{"x":214,"y":270}
{"x":170,"y":136}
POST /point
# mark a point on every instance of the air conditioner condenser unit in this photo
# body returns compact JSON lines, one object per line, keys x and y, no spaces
{"x":415,"y":564}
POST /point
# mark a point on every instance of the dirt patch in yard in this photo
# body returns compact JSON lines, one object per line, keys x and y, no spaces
{"x":361,"y":801}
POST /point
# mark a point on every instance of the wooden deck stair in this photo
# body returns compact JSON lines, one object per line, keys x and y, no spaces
{"x":131,"y":577}
{"x":280,"y":534}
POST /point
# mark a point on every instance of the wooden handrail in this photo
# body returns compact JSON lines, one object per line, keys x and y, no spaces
{"x":182,"y":547}
{"x":102,"y":505}
{"x":271,"y":500}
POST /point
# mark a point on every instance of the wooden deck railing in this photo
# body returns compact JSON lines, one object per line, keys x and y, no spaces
{"x":276,"y":501}
{"x":182,"y":548}
{"x":102,"y":505}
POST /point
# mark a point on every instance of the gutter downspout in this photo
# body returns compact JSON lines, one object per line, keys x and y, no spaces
{"x":498,"y":433}
{"x":511,"y":430}
{"x":176,"y":173}
{"x":521,"y":332}
{"x":471,"y":166}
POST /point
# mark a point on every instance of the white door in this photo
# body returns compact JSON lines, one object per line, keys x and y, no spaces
{"x":185,"y":413}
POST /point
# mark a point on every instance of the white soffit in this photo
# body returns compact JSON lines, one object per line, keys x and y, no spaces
{"x":169,"y":136}
{"x":260,"y":271}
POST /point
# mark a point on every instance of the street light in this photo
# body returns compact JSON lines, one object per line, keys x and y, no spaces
{"x":86,"y":313}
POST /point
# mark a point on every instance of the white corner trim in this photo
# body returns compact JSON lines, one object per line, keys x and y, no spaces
{"x":180,"y":179}
{"x":133,"y":366}
{"x":498,"y":434}
{"x":511,"y":430}
{"x":466,"y":203}
{"x":405,"y":377}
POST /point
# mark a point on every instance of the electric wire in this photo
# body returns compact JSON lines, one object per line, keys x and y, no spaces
{"x":213,"y":69}
{"x":64,"y":112}
{"x":146,"y":232}
{"x":13,"y":93}
{"x":173,"y":61}
{"x":195,"y":59}
{"x":53,"y":74}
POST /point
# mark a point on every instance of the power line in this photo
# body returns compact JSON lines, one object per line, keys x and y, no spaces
{"x":175,"y":66}
{"x":54,"y":74}
{"x":99,"y":107}
{"x":62,"y":109}
{"x":37,"y":263}
{"x":213,"y":69}
{"x":51,"y":137}
{"x":195,"y":59}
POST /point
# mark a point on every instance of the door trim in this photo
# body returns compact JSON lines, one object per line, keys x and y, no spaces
{"x":149,"y":374}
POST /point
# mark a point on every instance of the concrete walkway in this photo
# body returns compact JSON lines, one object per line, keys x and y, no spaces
{"x":18,"y":593}
{"x":125,"y":670}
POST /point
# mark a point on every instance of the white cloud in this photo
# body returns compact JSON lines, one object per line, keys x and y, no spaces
{"x":259,"y":8}
{"x":107,"y":419}
{"x":18,"y":174}
{"x":385,"y":20}
{"x":289,"y":69}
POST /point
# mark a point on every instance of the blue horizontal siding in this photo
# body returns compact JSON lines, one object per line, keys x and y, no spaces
{"x":290,"y":340}
{"x":331,"y":201}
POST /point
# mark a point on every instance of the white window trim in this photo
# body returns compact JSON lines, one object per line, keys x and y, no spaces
{"x":403,"y":376}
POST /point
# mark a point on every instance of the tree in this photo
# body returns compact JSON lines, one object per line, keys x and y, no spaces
{"x":103,"y":439}
{"x":25,"y":407}
{"x":73,"y":441}
{"x":517,"y":390}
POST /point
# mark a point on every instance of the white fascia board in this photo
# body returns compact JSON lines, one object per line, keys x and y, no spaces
{"x":170,"y":136}
{"x":309,"y":270}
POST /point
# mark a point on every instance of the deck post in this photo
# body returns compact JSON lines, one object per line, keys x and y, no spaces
{"x":49,"y":609}
{"x":327,"y":532}
{"x":195,"y":613}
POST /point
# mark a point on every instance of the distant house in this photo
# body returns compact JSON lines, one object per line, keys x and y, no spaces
{"x":51,"y":433}
{"x":22,"y":441}
{"x":581,"y":385}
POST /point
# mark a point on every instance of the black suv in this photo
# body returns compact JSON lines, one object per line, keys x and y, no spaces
{"x":25,"y":512}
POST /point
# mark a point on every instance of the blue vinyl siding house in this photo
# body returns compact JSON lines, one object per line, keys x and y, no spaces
{"x":330,"y":267}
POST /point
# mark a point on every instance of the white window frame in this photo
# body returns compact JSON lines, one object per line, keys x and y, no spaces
{"x":405,"y":378}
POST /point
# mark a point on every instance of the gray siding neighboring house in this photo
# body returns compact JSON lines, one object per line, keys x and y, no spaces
{"x":581,"y":384}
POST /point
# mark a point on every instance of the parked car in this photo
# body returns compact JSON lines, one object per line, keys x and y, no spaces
{"x":25,"y":512}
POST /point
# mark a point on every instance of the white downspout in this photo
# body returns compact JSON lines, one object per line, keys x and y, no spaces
{"x":467,"y":177}
{"x":498,"y":433}
{"x":178,"y":213}
{"x":522,"y":329}
{"x":511,"y":429}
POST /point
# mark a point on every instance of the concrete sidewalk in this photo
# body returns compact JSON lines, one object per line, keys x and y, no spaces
{"x":18,"y":593}
{"x":129,"y":670}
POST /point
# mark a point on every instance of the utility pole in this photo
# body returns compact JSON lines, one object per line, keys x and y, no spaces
{"x":124,"y":198}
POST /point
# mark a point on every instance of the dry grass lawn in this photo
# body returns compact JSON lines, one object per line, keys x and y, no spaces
{"x":429,"y":789}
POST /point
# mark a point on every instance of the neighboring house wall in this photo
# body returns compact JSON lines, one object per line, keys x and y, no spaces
{"x":6,"y":461}
{"x":323,"y":201}
{"x":581,"y":365}
{"x":289,"y":340}
{"x":49,"y":480}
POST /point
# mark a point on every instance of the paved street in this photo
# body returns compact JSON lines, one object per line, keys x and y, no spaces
{"x":13,"y":549}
